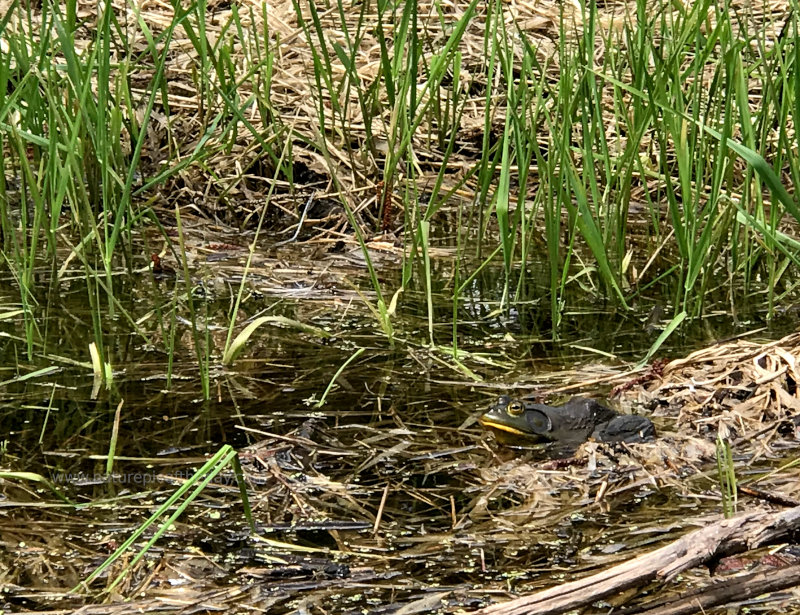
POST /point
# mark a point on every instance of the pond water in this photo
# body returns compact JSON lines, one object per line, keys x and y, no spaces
{"x":389,"y":495}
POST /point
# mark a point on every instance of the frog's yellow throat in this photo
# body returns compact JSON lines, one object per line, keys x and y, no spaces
{"x":501,"y":427}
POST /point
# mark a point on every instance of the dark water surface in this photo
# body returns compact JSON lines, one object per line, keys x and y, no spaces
{"x":397,"y":441}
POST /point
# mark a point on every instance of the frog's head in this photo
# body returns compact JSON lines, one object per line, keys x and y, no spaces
{"x":519,"y":418}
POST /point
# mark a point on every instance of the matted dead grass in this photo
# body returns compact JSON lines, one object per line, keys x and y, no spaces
{"x":744,"y":390}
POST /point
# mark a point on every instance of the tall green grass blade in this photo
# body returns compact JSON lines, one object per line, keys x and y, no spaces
{"x":424,"y":231}
{"x":210,"y":470}
{"x":501,"y":207}
{"x":240,"y":341}
{"x":668,"y":331}
{"x":342,"y":367}
{"x":727,"y":477}
{"x":33,"y":477}
{"x":591,"y":233}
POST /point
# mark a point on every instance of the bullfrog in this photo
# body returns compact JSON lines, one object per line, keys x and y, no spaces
{"x":575,"y":422}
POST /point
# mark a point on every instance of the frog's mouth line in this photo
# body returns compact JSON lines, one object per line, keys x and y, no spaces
{"x":502,"y":427}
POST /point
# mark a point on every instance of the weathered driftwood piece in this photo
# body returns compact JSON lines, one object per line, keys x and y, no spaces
{"x":767,"y":496}
{"x":724,"y":591}
{"x":707,"y":544}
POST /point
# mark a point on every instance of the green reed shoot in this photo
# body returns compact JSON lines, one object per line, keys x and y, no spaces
{"x":33,"y":477}
{"x":208,"y":472}
{"x":112,"y":444}
{"x":727,"y":477}
{"x":321,"y":401}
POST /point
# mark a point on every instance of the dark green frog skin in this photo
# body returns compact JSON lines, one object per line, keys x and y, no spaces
{"x":575,"y":422}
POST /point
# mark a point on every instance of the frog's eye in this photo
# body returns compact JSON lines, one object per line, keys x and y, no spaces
{"x":515,"y":408}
